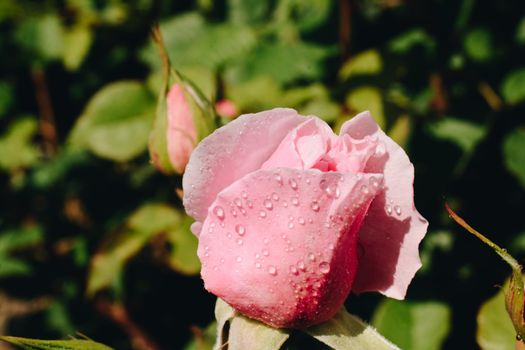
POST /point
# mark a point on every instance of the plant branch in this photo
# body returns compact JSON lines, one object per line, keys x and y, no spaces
{"x":45,"y":111}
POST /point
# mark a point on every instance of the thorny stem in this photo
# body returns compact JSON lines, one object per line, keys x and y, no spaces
{"x":500,"y":251}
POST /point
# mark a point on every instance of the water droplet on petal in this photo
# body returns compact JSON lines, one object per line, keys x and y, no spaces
{"x":311,"y":256}
{"x":244,"y":194}
{"x":240,"y":241}
{"x":249,"y":204}
{"x":293,"y":184}
{"x":295,"y":201}
{"x":268,"y":204}
{"x":397,"y":209}
{"x":238,"y":259}
{"x":300,"y":265}
{"x":238,"y":202}
{"x":315,"y":206}
{"x":278,"y":178}
{"x":290,"y":225}
{"x":265,"y":241}
{"x":373,"y":182}
{"x":272,"y":270}
{"x":258,"y":265}
{"x":380,"y":150}
{"x":293,"y":270}
{"x":324,"y":267}
{"x":265,"y":252}
{"x":275,"y":196}
{"x":388,"y":209}
{"x":285,"y":204}
{"x":234,"y":212}
{"x":229,"y":235}
{"x":240,"y":230}
{"x":300,"y":220}
{"x":262,"y":214}
{"x":364,"y":189}
{"x":219,"y":212}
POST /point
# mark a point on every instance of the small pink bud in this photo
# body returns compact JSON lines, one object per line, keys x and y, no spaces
{"x":181,"y":132}
{"x":226,"y":109}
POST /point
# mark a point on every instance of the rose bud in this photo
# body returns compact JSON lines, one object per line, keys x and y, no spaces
{"x":291,"y":217}
{"x":226,"y":109}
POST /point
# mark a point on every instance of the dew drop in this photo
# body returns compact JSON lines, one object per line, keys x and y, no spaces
{"x":324,"y":267}
{"x":388,"y":209}
{"x":293,"y":270}
{"x":234,"y":212}
{"x":262,"y":214}
{"x":291,"y":225}
{"x":219,"y":212}
{"x":307,"y":181}
{"x":272,"y":270}
{"x":244,"y":194}
{"x":268,"y":204}
{"x":240,"y":241}
{"x":397,"y":209}
{"x":243,"y":211}
{"x":240,"y":230}
{"x":295,"y":201}
{"x":275,"y":196}
{"x":238,"y":202}
{"x":293,"y":184}
{"x":380,"y":150}
{"x":265,"y":241}
{"x":278,"y":178}
{"x":258,"y":265}
{"x":364,"y":189}
{"x":265,"y":252}
{"x":373,"y":182}
{"x":238,"y":259}
{"x":300,"y":265}
{"x":311,"y":256}
{"x":300,"y":220}
{"x":315,"y":206}
{"x":249,"y":204}
{"x":285,"y":204}
{"x":229,"y":235}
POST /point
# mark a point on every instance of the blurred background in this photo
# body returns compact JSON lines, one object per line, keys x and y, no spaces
{"x":94,"y":240}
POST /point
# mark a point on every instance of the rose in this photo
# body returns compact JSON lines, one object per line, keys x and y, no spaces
{"x":291,"y":217}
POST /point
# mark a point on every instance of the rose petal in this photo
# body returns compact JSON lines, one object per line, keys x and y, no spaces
{"x":393,"y":227}
{"x":231,"y":152}
{"x":181,"y":135}
{"x":279,"y":245}
{"x":303,"y":146}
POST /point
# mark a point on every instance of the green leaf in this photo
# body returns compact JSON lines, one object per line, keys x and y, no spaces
{"x":20,"y":238}
{"x":121,"y":245}
{"x":6,"y":97}
{"x":16,"y":147}
{"x":308,"y":15}
{"x":416,"y":326}
{"x":41,"y":36}
{"x":247,"y":11}
{"x":513,"y":154}
{"x":495,"y":330}
{"x":77,"y":41}
{"x":478,"y":45}
{"x":116,"y":121}
{"x":36,"y":344}
{"x":405,"y":42}
{"x":10,"y":267}
{"x":520,"y":32}
{"x":283,"y":62}
{"x":203,"y":340}
{"x":346,"y":331}
{"x":366,"y":62}
{"x":183,"y":257}
{"x":367,"y":98}
{"x":245,"y":333}
{"x":464,"y":134}
{"x":400,"y":131}
{"x":513,"y":87}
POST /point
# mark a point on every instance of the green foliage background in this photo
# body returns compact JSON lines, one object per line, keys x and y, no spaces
{"x":88,"y":225}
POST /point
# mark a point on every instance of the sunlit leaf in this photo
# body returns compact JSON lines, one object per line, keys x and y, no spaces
{"x":514,"y":155}
{"x":366,"y":62}
{"x":16,"y":146}
{"x":416,"y":326}
{"x":495,"y":330}
{"x":400,"y":131}
{"x":466,"y":135}
{"x":478,"y":45}
{"x":247,"y":11}
{"x":116,"y":121}
{"x":346,"y":331}
{"x":37,"y":344}
{"x":520,"y":32}
{"x":367,"y":98}
{"x":183,"y":257}
{"x":77,"y":41}
{"x":405,"y":42}
{"x":513,"y":87}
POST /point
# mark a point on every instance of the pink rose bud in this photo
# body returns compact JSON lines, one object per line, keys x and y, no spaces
{"x":226,"y":109}
{"x":291,"y":217}
{"x":181,"y":135}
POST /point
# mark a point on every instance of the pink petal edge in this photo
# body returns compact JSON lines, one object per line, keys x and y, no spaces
{"x":393,"y":228}
{"x":230,"y":152}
